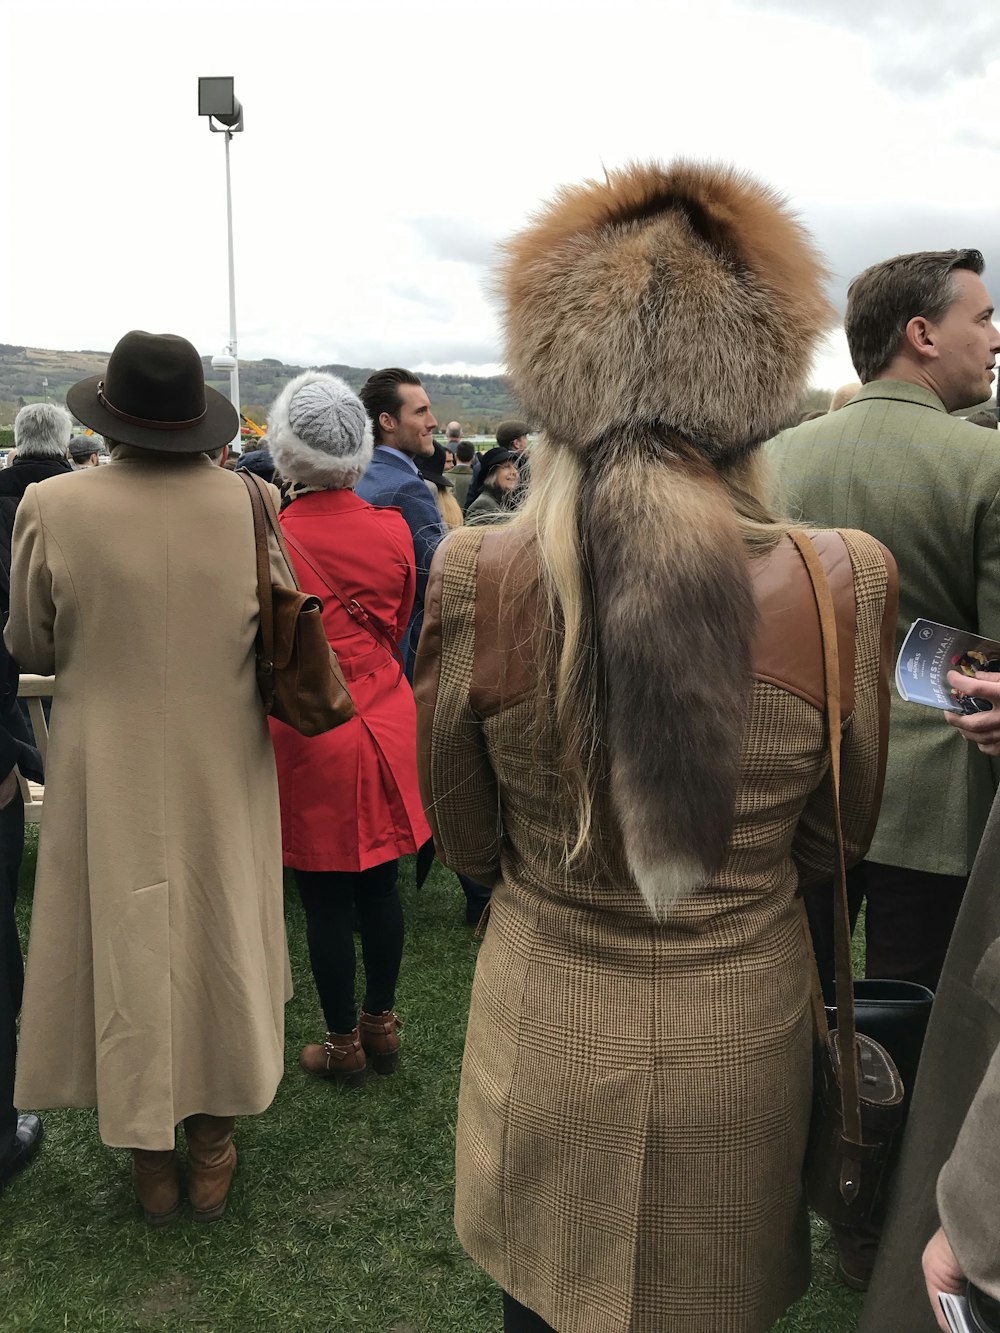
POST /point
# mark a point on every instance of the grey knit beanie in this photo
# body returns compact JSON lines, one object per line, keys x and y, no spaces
{"x":319,"y":433}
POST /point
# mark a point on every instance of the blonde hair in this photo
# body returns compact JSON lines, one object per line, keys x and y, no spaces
{"x":448,"y":506}
{"x":552,"y":516}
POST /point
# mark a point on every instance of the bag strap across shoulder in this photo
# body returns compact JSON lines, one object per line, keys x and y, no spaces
{"x":264,"y":594}
{"x":846,"y":1028}
{"x":257,"y":487}
{"x":353,"y":608}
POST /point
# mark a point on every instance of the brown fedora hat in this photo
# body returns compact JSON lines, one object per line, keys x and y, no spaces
{"x":153,"y":395}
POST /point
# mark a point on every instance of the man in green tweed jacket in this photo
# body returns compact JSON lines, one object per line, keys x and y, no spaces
{"x":893,"y":463}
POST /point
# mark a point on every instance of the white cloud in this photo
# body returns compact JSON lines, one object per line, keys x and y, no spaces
{"x":388,"y":147}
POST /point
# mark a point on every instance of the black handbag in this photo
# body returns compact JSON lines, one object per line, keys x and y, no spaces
{"x":895,"y":1014}
{"x":985,"y":1311}
{"x":858,"y":1099}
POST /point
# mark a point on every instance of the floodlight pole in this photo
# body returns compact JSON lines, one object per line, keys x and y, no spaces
{"x":234,"y":373}
{"x":217,"y":101}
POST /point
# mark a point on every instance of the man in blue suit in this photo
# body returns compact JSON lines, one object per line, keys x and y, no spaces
{"x":404,"y":426}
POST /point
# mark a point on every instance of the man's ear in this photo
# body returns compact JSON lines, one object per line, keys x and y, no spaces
{"x":920,"y":336}
{"x":387,"y":422}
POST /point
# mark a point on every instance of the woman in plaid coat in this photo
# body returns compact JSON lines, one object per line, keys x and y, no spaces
{"x":621,"y":728}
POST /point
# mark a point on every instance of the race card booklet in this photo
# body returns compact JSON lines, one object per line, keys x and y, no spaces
{"x":929,"y":652}
{"x":957,"y":1313}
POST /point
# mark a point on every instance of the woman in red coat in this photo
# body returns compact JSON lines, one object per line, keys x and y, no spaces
{"x":350,"y":807}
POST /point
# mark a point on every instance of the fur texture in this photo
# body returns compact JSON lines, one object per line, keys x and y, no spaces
{"x":42,"y":430}
{"x":687,"y":295}
{"x":659,"y":326}
{"x":675,"y":619}
{"x":319,"y":433}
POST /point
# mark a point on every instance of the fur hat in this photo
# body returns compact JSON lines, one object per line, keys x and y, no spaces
{"x":319,"y":433}
{"x":687,"y":296}
{"x":660,"y":325}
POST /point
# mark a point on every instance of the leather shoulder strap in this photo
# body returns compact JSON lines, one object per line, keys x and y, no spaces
{"x":353,"y":608}
{"x":267,"y":506}
{"x":846,"y":1031}
{"x":264,"y":595}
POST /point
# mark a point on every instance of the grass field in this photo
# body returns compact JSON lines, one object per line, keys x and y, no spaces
{"x":339,"y":1219}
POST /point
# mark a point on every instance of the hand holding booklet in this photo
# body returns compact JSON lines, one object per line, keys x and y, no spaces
{"x":957,"y":1313}
{"x":929,"y":652}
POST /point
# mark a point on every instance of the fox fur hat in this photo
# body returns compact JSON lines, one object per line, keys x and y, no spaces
{"x":319,"y":433}
{"x":659,"y":327}
{"x":686,"y":295}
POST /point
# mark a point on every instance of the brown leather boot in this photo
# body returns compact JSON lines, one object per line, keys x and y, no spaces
{"x":157,"y":1185}
{"x":340,"y":1058}
{"x":380,"y":1039}
{"x":211,"y":1161}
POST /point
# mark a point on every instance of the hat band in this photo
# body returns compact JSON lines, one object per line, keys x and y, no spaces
{"x":145,"y":421}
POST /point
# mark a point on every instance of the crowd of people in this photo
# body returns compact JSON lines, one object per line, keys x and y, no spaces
{"x":589,"y":675}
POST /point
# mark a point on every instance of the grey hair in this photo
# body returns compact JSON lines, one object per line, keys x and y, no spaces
{"x":882,"y":301}
{"x":42,"y":430}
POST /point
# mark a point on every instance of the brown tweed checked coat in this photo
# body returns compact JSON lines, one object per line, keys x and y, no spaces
{"x":635,"y":1094}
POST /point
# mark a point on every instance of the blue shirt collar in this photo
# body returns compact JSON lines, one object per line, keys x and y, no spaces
{"x":387,"y":449}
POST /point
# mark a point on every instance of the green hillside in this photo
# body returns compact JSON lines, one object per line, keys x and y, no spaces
{"x":30,"y":373}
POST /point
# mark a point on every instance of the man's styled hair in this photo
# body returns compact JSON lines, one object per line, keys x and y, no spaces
{"x":882,"y":301}
{"x":42,"y":430}
{"x":380,"y":393}
{"x":466,"y":451}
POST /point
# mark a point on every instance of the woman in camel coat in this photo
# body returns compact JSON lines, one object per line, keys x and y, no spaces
{"x":157,"y":970}
{"x":621,"y":722}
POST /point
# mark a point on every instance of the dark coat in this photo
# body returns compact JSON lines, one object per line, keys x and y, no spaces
{"x":14,"y":481}
{"x":461,"y":479}
{"x":349,"y":798}
{"x":390,"y":484}
{"x":951,"y":1156}
{"x":486,"y":508}
{"x":15,"y":739}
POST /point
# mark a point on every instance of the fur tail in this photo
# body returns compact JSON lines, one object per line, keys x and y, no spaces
{"x":675,"y":621}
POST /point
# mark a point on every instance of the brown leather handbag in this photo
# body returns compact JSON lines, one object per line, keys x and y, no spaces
{"x":298,"y":674}
{"x":857,"y":1091}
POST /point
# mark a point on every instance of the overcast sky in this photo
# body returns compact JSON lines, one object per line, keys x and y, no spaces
{"x":389,"y":145}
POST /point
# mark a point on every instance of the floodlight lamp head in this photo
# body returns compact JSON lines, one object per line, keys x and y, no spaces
{"x":218,"y":101}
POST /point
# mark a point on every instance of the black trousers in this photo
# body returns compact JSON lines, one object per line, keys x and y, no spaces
{"x":909,"y":918}
{"x":517,"y":1318}
{"x":331,"y":899}
{"x":477,"y":897}
{"x":11,"y":964}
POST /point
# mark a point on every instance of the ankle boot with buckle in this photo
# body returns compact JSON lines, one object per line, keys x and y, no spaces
{"x":380,"y":1039}
{"x":211,"y":1162}
{"x":340,"y":1057}
{"x":157,"y":1185}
